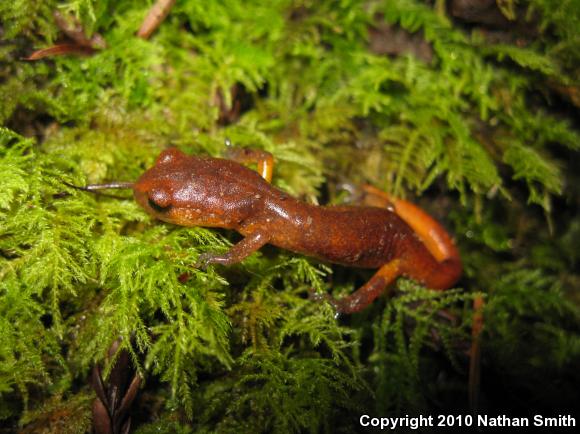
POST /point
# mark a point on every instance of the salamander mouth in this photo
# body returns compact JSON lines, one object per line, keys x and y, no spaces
{"x":157,"y":207}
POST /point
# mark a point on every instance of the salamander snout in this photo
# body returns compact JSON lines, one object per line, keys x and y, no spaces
{"x":155,"y":198}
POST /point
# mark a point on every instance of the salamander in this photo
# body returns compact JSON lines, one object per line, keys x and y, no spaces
{"x":391,"y":235}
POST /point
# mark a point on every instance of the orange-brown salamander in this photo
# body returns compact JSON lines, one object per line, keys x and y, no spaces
{"x":391,"y":235}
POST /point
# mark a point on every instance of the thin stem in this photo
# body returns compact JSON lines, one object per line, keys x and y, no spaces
{"x":95,"y":187}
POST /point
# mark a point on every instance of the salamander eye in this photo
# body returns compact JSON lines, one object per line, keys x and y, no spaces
{"x":155,"y":206}
{"x":159,"y":200}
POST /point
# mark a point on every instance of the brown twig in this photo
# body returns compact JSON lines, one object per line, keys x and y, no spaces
{"x":114,"y":398}
{"x":155,"y":17}
{"x":73,"y":29}
{"x":475,"y":353}
{"x":81,"y":45}
{"x":60,"y":50}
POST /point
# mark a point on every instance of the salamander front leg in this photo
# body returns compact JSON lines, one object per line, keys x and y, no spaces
{"x":367,"y":293}
{"x":263,"y":159}
{"x":237,"y":253}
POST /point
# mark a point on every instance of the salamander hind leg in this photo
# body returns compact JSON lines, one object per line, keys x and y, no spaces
{"x":442,"y":264}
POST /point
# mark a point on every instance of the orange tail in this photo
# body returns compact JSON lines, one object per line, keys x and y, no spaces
{"x":447,"y":269}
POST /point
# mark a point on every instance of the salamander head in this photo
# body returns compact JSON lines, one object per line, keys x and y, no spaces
{"x":187,"y":191}
{"x":162,"y":189}
{"x":194,"y":191}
